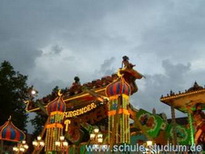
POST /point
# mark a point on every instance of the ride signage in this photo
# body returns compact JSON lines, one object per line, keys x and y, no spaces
{"x":80,"y":111}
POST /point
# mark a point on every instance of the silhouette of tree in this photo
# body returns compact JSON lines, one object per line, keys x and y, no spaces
{"x":13,"y":90}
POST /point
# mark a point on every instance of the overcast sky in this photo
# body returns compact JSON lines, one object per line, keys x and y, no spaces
{"x":53,"y":41}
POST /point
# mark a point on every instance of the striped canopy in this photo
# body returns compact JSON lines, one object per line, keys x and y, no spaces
{"x":9,"y":132}
{"x":118,"y":87}
{"x":57,"y":104}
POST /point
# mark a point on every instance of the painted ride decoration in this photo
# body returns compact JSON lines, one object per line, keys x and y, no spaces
{"x":150,"y":122}
{"x":54,"y":129}
{"x":182,"y":133}
{"x":118,"y":115}
{"x":9,"y":132}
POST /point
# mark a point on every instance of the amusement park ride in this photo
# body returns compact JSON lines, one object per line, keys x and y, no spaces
{"x":99,"y":112}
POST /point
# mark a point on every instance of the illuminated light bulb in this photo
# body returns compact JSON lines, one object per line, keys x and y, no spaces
{"x":22,"y":149}
{"x":96,"y":130}
{"x":26,"y":146}
{"x":57,"y":143}
{"x":15,"y":149}
{"x":39,"y":138}
{"x":62,"y":138}
{"x":100,"y":140}
{"x":100,"y":135}
{"x":149,"y":143}
{"x":65,"y":143}
{"x":42,"y":143}
{"x":92,"y":136}
{"x":33,"y":92}
{"x":35,"y":143}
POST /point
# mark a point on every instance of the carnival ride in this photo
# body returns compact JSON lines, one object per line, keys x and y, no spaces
{"x":105,"y":104}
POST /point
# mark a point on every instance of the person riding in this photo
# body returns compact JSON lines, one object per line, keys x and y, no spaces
{"x":126,"y":63}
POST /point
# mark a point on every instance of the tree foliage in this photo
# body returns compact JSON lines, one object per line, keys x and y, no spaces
{"x":39,"y":123}
{"x":13,"y":90}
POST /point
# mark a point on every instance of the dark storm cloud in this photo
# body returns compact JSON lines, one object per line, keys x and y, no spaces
{"x":157,"y":85}
{"x":28,"y":26}
{"x":56,"y":49}
{"x":53,"y":41}
{"x":178,"y":33}
{"x":53,"y":51}
{"x":107,"y":67}
{"x":21,"y":56}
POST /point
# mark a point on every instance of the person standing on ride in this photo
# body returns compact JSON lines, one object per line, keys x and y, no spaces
{"x":199,"y":118}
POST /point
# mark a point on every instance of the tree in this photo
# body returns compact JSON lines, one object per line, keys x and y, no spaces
{"x":13,"y":90}
{"x":39,"y":123}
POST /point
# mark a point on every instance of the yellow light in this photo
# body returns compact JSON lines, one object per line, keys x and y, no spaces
{"x":80,"y":111}
{"x":100,"y":140}
{"x":57,"y":143}
{"x":39,"y":138}
{"x":24,"y":142}
{"x":66,"y":122}
{"x":100,"y":135}
{"x":42,"y":143}
{"x":96,"y":130}
{"x":35,"y":143}
{"x":92,"y":136}
{"x":26,"y":146}
{"x":62,"y":138}
{"x":149,"y":143}
{"x":65,"y":144}
{"x":15,"y":149}
{"x":22,"y":149}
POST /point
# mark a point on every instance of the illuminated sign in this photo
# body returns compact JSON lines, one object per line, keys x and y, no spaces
{"x":80,"y":111}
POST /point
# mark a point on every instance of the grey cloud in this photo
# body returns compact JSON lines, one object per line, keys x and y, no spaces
{"x":28,"y":26}
{"x":175,"y":73}
{"x":160,"y":84}
{"x":45,"y":88}
{"x":93,"y":31}
{"x":107,"y":67}
{"x":176,"y":32}
{"x":57,"y":49}
{"x":21,"y":56}
{"x":69,"y":58}
{"x":54,"y":50}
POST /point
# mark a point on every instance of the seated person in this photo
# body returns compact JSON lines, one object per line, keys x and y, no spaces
{"x":126,"y":63}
